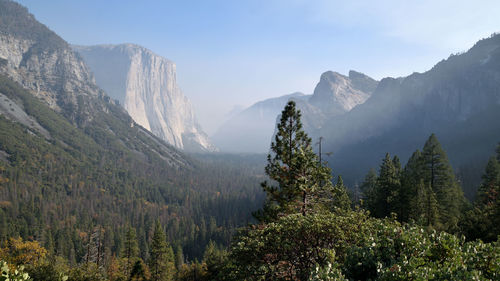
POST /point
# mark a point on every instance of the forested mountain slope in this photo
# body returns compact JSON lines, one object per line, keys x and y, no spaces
{"x":71,"y":159}
{"x":458,"y":100}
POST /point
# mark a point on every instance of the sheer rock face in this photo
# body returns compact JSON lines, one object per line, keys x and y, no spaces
{"x":145,"y":84}
{"x":336,"y":94}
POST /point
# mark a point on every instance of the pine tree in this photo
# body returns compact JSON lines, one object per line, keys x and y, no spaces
{"x":400,"y":200}
{"x":411,"y":179}
{"x":488,"y":192}
{"x":424,"y":205}
{"x":130,"y":248}
{"x":397,"y":164}
{"x":386,"y":192}
{"x":179,"y":257}
{"x":368,"y":189}
{"x":296,"y":169}
{"x":139,"y":272}
{"x":340,"y":198}
{"x":214,"y":259}
{"x":161,"y":261}
{"x":484,"y":219}
{"x":437,"y":172}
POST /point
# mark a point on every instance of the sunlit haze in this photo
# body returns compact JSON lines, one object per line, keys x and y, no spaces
{"x":232,"y":53}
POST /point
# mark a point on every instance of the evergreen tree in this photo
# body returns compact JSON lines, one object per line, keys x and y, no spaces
{"x":397,"y":164}
{"x":295,"y":168}
{"x":139,"y":271}
{"x":130,"y":248}
{"x":179,"y":257}
{"x":437,"y":172}
{"x":488,"y":192}
{"x":214,"y":259}
{"x":340,"y":198}
{"x":411,"y":184}
{"x":161,"y":261}
{"x":399,"y":194}
{"x":483,"y":221}
{"x":424,"y":205}
{"x":368,"y":189}
{"x":388,"y":185}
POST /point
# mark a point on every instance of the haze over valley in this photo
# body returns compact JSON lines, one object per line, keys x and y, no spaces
{"x":249,"y":140}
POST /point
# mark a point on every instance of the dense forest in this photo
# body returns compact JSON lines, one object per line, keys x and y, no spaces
{"x":59,"y":189}
{"x":87,"y":194}
{"x":406,"y":223}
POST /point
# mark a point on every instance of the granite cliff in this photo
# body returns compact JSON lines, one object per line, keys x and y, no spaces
{"x":145,"y":85}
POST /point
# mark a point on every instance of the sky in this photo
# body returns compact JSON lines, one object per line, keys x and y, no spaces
{"x":235,"y":53}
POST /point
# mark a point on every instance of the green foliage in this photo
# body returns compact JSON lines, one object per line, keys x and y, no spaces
{"x":425,"y":191}
{"x":17,"y":274}
{"x":192,"y":272}
{"x":337,"y":198}
{"x":411,"y":253}
{"x":368,"y":190}
{"x":483,"y":220}
{"x":327,"y":273}
{"x":296,"y":169}
{"x":15,"y":20}
{"x":139,"y":272}
{"x":161,"y":260}
{"x":294,"y":245}
{"x":113,"y":175}
{"x":423,"y":206}
{"x":387,"y":189}
{"x":360,"y":248}
{"x":437,"y":172}
{"x":130,"y":248}
{"x":86,"y":272}
{"x":214,"y":259}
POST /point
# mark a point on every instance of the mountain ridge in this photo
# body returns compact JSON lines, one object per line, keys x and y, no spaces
{"x":335,"y":94}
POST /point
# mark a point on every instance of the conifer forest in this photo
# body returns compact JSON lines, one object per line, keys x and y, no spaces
{"x":106,"y":174}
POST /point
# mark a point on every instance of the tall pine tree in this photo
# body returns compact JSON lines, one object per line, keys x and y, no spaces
{"x":368,"y":189}
{"x":296,"y":169}
{"x":424,"y":205}
{"x":130,"y":249}
{"x":161,"y":261}
{"x":437,"y":172}
{"x":412,"y":186}
{"x":387,"y":188}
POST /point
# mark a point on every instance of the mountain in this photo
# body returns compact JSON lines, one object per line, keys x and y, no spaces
{"x":71,"y":159}
{"x":41,"y":61}
{"x":145,"y":84}
{"x":458,"y":100}
{"x":335,"y":94}
{"x":251,"y":129}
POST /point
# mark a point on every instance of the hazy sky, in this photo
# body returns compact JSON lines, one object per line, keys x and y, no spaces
{"x":239,"y":52}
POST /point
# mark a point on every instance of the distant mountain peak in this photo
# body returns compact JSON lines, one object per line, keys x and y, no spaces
{"x":336,"y":93}
{"x":146,"y":86}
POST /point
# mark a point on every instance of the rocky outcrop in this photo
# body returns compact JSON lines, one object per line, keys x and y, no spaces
{"x":42,"y":62}
{"x":145,"y":84}
{"x":335,"y":94}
